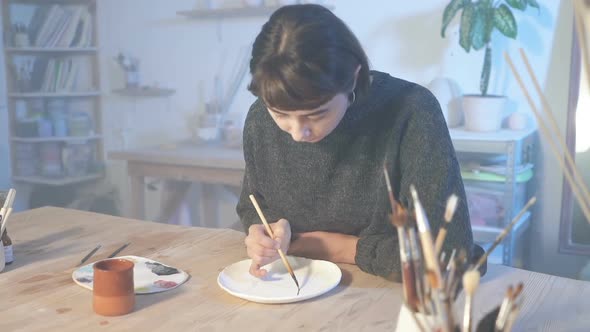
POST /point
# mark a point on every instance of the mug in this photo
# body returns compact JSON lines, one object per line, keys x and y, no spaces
{"x":113,"y":292}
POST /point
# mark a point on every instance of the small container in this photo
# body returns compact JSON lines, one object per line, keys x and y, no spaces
{"x":7,"y":246}
{"x":44,"y":127}
{"x":2,"y":259}
{"x":79,"y":124}
{"x":113,"y":292}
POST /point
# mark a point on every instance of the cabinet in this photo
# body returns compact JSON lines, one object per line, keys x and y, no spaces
{"x":511,"y":153}
{"x":53,"y":91}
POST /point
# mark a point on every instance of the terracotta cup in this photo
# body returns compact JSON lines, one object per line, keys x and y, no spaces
{"x":113,"y":291}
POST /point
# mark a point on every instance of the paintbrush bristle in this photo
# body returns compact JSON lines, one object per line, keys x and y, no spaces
{"x":399,"y":218}
{"x":471,"y":281}
{"x":509,"y":292}
{"x":396,"y":221}
{"x":451,"y":206}
{"x":518,"y":290}
{"x":432,"y":279}
{"x":413,"y":192}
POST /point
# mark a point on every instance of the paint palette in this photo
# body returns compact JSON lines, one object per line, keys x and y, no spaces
{"x":149,"y":276}
{"x":315,"y":277}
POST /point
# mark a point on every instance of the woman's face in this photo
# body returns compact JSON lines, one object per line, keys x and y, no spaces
{"x":312,"y":126}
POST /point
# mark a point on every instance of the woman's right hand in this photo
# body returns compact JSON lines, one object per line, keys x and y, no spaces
{"x":262,"y":249}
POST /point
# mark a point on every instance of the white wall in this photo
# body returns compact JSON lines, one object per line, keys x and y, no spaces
{"x":403,"y":40}
{"x":4,"y":147}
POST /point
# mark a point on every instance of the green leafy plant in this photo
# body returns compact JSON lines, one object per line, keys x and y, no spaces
{"x":479,"y":18}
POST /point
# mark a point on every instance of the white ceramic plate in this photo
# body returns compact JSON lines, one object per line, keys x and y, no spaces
{"x":149,"y":276}
{"x":315,"y":277}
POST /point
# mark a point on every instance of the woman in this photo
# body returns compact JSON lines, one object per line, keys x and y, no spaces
{"x":316,"y":140}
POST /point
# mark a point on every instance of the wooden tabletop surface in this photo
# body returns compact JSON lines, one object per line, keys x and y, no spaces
{"x":37,"y":292}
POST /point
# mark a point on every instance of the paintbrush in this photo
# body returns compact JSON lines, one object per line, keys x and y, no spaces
{"x":399,"y":219}
{"x":505,"y":232}
{"x":89,"y":255}
{"x":502,"y":314}
{"x":119,"y":250}
{"x":7,"y":202}
{"x":6,"y":210}
{"x":416,"y":264}
{"x":507,"y":309}
{"x":426,"y":238}
{"x":271,"y":234}
{"x":442,"y":233}
{"x":470,"y":283}
{"x":408,"y":273}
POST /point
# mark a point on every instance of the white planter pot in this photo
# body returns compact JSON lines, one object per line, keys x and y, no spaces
{"x":484,"y":113}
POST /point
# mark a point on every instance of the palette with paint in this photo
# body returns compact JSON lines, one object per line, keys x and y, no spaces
{"x":149,"y":276}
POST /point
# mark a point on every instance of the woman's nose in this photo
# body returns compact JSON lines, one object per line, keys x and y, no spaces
{"x":299,"y":131}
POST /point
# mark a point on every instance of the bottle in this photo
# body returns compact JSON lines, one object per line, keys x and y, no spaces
{"x":7,"y":243}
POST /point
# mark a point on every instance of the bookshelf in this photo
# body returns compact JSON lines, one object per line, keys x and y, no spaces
{"x":53,"y":91}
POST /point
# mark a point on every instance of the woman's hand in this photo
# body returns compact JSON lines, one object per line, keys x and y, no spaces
{"x":262,"y":249}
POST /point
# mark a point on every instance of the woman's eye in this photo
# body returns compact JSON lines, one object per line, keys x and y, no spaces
{"x":316,"y":117}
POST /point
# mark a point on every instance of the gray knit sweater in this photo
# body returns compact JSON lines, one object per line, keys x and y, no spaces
{"x":337,"y":184}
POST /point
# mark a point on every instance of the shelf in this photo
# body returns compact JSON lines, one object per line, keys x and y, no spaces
{"x":56,"y":181}
{"x":38,"y":2}
{"x":231,"y":12}
{"x":55,"y":139}
{"x":51,"y":49}
{"x":489,"y":143}
{"x":54,"y":94}
{"x":503,"y":135}
{"x":487,"y":234}
{"x":144,"y":92}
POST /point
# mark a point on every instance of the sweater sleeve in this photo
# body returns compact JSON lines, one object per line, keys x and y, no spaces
{"x":427,"y":160}
{"x":245,"y":210}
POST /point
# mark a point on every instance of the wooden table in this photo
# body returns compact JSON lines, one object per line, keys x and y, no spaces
{"x":209,"y":165}
{"x":37,"y":292}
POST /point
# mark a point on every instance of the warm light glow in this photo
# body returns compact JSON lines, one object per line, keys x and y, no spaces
{"x":582,"y":134}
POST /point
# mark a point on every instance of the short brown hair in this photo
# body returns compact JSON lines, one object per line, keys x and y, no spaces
{"x":303,"y":56}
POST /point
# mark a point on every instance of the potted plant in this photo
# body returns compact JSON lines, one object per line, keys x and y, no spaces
{"x":479,"y":18}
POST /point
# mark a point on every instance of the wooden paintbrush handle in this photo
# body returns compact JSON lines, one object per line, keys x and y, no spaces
{"x":285,"y":261}
{"x":440,"y":239}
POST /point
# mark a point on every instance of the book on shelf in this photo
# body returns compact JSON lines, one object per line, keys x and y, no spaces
{"x":61,"y":26}
{"x":53,"y":74}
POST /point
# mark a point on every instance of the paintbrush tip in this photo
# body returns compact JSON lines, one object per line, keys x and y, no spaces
{"x":471,"y":281}
{"x":413,"y":192}
{"x":451,"y":207}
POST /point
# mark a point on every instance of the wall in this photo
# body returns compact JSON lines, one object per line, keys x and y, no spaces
{"x":4,"y":147}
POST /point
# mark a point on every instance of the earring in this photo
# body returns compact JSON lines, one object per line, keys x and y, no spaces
{"x":353,"y":97}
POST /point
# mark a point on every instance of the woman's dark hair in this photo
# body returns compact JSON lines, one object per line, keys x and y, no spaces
{"x":304,"y":56}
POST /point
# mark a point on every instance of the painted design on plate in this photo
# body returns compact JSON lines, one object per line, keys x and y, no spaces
{"x":149,"y":276}
{"x":161,"y":270}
